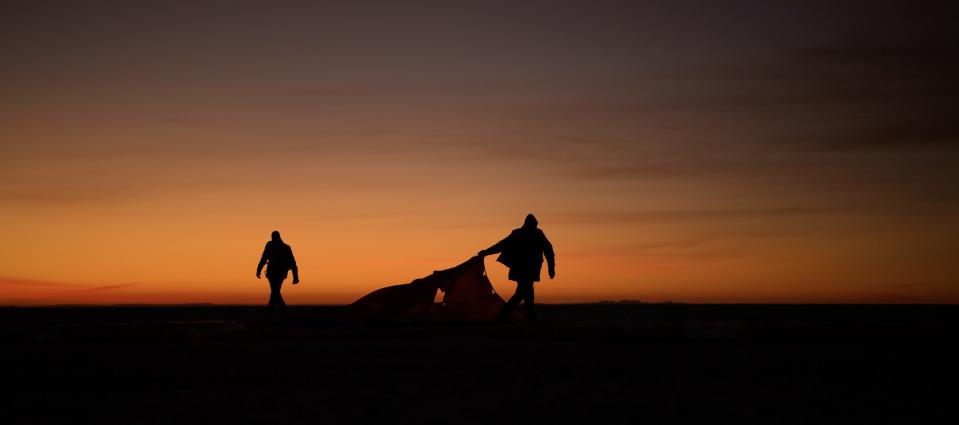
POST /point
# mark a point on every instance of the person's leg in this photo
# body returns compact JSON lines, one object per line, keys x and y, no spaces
{"x":528,"y":306}
{"x":508,"y":307}
{"x":276,"y":299}
{"x":271,"y":305}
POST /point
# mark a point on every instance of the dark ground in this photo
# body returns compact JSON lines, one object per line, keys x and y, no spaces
{"x":585,"y":364}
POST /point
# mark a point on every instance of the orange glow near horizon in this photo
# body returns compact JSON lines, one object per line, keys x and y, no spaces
{"x":201,"y":245}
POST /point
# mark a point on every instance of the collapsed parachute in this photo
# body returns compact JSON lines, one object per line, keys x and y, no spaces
{"x":467,"y":296}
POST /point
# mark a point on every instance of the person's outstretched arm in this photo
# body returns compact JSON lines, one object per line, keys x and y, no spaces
{"x":496,"y":248}
{"x":550,"y":256}
{"x":296,"y":271}
{"x":263,"y":258}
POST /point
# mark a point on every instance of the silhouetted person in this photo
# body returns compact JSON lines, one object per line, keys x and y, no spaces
{"x":278,"y":258}
{"x":522,"y":251}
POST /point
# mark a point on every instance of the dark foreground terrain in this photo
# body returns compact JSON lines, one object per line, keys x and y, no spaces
{"x":584,"y":364}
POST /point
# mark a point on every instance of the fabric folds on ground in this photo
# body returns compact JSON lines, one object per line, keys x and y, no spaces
{"x":468,"y":295}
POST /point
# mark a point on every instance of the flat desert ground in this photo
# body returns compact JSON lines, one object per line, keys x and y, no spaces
{"x":584,"y":364}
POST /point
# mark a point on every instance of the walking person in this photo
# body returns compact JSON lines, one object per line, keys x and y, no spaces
{"x":523,"y":251}
{"x":278,"y":259}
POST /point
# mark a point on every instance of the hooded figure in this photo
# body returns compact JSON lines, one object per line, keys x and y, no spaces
{"x":523,"y":251}
{"x":278,"y":257}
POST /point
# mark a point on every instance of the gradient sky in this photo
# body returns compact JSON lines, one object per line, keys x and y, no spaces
{"x":699,"y":152}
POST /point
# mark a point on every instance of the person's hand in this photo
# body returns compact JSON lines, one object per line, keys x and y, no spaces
{"x":552,"y":272}
{"x":296,"y":280}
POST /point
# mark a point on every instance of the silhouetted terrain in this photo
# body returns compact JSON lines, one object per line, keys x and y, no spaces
{"x":600,"y":363}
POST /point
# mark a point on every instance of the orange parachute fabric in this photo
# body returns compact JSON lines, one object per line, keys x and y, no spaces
{"x":467,"y":296}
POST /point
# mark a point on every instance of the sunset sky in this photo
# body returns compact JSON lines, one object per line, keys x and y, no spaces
{"x":698,"y":152}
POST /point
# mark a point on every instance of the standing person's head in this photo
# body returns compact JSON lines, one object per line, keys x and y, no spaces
{"x":276,"y":236}
{"x":530,"y":222}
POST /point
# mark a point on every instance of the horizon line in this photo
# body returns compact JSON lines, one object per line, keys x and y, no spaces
{"x":208,"y":304}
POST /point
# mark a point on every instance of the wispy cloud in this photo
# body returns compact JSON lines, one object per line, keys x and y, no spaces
{"x":64,"y":192}
{"x":111,"y":287}
{"x":46,"y":285}
{"x":687,"y":250}
{"x":642,"y":216}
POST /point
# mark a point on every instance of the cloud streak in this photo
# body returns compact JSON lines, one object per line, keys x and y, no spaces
{"x":106,"y":288}
{"x":681,"y":215}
